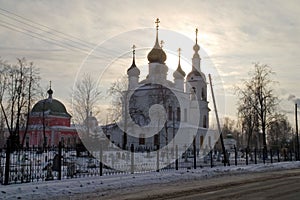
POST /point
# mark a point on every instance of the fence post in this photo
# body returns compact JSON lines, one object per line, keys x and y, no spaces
{"x":176,"y":162}
{"x":59,"y":160}
{"x":264,"y":155}
{"x":211,"y":159}
{"x":194,"y":152}
{"x":132,"y":158}
{"x":235,"y":156}
{"x":247,"y":156}
{"x":255,"y":156}
{"x":7,"y":163}
{"x":157,"y":158}
{"x":271,"y":155}
{"x":101,"y":159}
{"x":1,"y":170}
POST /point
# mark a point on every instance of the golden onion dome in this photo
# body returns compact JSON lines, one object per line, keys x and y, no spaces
{"x":157,"y":54}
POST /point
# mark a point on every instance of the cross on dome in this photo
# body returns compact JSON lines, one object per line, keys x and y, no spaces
{"x":196,"y":46}
{"x":162,"y":43}
{"x":133,"y":70}
{"x":196,"y":35}
{"x":50,"y":91}
{"x":157,"y":23}
{"x":179,"y":55}
{"x":133,"y":49}
{"x":157,"y":55}
{"x":156,"y":40}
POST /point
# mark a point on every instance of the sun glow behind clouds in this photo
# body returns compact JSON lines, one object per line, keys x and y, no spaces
{"x":233,"y":34}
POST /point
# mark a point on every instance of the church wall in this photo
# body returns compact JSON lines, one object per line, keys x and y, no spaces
{"x":190,"y":97}
{"x":50,"y":121}
{"x":53,"y":135}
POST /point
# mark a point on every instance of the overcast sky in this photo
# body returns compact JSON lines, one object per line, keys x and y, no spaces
{"x":58,"y":35}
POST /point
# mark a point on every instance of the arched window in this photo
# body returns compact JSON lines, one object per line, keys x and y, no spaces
{"x":170,"y":113}
{"x":194,"y":90}
{"x":156,"y":139}
{"x":27,"y":141}
{"x":178,"y":113}
{"x":62,"y":140}
{"x":68,"y":142}
{"x":142,"y":139}
{"x":201,"y":140}
{"x":204,"y":121}
{"x":203,"y":97}
{"x":193,"y":93}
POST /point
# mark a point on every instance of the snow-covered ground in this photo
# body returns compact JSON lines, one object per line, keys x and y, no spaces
{"x":111,"y":183}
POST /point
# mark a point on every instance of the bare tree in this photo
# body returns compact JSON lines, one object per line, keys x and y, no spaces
{"x":19,"y":88}
{"x":228,"y":126}
{"x":3,"y":86}
{"x":85,"y":98}
{"x":279,"y":132}
{"x":248,"y":118}
{"x":258,"y":100}
{"x":118,"y":93}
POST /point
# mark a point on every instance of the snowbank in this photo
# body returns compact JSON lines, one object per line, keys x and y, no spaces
{"x":109,"y":184}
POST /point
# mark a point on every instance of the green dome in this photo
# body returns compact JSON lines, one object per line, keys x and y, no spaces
{"x":229,"y":136}
{"x":51,"y":107}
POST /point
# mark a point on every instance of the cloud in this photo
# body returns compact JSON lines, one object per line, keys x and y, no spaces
{"x":294,"y":99}
{"x":234,"y":34}
{"x":291,"y":97}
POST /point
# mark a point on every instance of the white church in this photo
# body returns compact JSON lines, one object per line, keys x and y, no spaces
{"x":156,"y":110}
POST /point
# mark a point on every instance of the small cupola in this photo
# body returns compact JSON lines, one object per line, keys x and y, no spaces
{"x":50,"y":92}
{"x":179,"y":73}
{"x":133,"y":70}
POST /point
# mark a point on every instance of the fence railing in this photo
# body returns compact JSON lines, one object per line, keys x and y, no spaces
{"x":56,"y":163}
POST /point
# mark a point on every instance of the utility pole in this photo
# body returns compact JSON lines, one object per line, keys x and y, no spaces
{"x":218,"y":122}
{"x":297,"y":135}
{"x":174,"y":132}
{"x":125,"y":103}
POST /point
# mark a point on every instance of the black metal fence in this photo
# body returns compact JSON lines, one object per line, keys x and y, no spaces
{"x":56,"y":163}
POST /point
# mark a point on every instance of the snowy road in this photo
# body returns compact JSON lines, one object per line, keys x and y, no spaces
{"x":275,"y":181}
{"x":268,"y":185}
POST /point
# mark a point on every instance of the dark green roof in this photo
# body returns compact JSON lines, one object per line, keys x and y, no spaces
{"x":229,"y":136}
{"x":51,"y":107}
